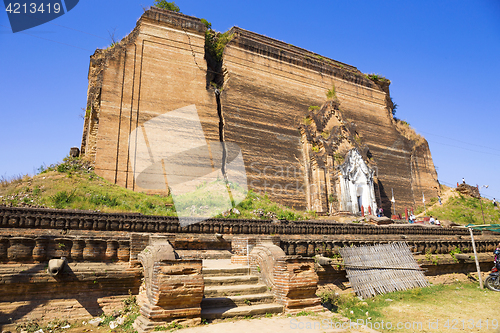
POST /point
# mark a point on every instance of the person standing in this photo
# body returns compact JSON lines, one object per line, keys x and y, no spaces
{"x":497,"y":255}
{"x":439,"y":199}
{"x":494,"y":202}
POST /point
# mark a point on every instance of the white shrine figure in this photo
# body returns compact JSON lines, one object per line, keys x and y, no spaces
{"x":356,"y":184}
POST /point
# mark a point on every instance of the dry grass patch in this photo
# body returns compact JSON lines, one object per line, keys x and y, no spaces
{"x":408,"y":132}
{"x":460,"y":303}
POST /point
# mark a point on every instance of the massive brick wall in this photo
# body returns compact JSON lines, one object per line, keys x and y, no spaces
{"x":268,"y":87}
{"x":158,"y":68}
{"x":271,"y":85}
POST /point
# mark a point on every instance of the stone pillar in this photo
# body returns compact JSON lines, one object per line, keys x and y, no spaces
{"x":296,"y":283}
{"x":138,"y":242}
{"x":94,"y":250}
{"x":123,"y":252}
{"x":4,"y":245}
{"x":40,"y":250}
{"x":111,"y":250}
{"x":62,"y":247}
{"x":21,"y":249}
{"x":77,"y":249}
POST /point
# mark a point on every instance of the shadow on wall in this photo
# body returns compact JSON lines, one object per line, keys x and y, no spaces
{"x":385,"y":202}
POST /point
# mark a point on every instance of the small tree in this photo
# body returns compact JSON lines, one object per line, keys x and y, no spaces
{"x":394,"y":107}
{"x":167,"y":5}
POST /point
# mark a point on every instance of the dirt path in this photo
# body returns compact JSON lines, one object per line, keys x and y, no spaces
{"x":315,"y":323}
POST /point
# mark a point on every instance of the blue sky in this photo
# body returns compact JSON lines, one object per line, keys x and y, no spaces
{"x":443,"y":58}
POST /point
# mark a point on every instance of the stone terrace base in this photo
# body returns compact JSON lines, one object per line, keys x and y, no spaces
{"x":80,"y":291}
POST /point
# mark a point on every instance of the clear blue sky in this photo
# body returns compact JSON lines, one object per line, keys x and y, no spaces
{"x":443,"y":58}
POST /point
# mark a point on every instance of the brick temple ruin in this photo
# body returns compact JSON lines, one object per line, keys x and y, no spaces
{"x":267,"y":97}
{"x":264,"y":95}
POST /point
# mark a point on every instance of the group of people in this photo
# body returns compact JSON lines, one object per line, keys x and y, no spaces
{"x":433,"y":221}
{"x":413,"y":219}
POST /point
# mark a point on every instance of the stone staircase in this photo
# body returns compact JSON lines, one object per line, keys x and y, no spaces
{"x":231,"y":292}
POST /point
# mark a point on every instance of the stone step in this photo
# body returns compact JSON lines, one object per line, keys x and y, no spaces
{"x":230,"y":280}
{"x":241,"y":311}
{"x":204,"y":254}
{"x":233,"y":290}
{"x":225,"y":271}
{"x":237,"y":300}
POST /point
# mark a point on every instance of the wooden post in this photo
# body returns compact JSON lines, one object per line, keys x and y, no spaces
{"x":475,"y":256}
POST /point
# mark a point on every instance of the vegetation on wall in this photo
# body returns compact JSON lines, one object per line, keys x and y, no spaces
{"x":215,"y":42}
{"x":167,"y":5}
{"x":331,"y":94}
{"x":206,"y":23}
{"x":408,"y":132}
{"x":394,"y":106}
{"x":376,"y":77}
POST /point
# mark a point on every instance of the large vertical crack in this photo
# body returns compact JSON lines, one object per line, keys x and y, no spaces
{"x":223,"y":145}
{"x":216,"y":76}
{"x":221,"y":133}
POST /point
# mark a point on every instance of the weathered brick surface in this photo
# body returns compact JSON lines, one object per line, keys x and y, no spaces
{"x":271,"y":86}
{"x":158,"y":68}
{"x":296,"y":283}
{"x":81,"y":290}
{"x":173,"y":287}
{"x":292,"y":279}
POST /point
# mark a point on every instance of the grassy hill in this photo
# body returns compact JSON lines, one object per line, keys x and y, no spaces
{"x":463,"y":209}
{"x":72,"y":184}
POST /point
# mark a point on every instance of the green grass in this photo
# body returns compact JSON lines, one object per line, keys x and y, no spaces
{"x":72,"y":184}
{"x":331,"y":94}
{"x":465,"y":210}
{"x":376,"y":77}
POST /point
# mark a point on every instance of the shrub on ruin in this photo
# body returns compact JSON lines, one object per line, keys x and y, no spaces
{"x":167,"y":5}
{"x":215,"y":43}
{"x":376,"y":77}
{"x":331,"y":94}
{"x":206,"y":23}
{"x":62,"y":199}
